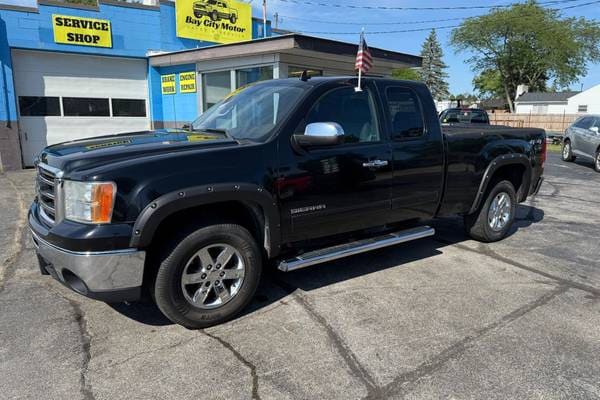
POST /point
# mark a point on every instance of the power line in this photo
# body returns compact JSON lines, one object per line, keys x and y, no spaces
{"x":372,"y":23}
{"x":434,"y":27}
{"x":389,"y":8}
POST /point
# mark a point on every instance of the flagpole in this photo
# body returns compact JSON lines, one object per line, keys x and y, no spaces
{"x":358,"y":88}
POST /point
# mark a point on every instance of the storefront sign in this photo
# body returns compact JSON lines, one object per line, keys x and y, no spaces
{"x":167,"y":84}
{"x":219,"y":21}
{"x":187,"y":82}
{"x":81,"y":31}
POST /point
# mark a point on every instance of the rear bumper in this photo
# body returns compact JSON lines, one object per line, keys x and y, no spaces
{"x":110,"y":276}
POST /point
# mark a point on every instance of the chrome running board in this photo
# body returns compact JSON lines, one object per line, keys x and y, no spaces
{"x":349,"y":249}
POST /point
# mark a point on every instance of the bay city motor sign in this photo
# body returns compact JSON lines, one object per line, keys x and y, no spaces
{"x":218,"y":21}
{"x":81,"y":31}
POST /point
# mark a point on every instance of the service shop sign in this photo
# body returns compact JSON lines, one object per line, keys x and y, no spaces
{"x":81,"y":31}
{"x":218,"y":21}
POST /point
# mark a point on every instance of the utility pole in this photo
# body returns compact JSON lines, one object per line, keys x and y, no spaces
{"x":264,"y":18}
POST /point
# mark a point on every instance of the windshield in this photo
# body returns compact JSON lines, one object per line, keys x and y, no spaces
{"x":252,"y":112}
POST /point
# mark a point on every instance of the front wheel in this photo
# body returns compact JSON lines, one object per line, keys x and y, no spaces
{"x":233,"y":19}
{"x":567,"y":151}
{"x":208,"y":276}
{"x":597,"y":163}
{"x":494,"y":218}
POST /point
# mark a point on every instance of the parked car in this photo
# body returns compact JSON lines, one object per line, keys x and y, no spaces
{"x":216,"y":10}
{"x":464,"y":116}
{"x":293,"y":171}
{"x":582,"y":139}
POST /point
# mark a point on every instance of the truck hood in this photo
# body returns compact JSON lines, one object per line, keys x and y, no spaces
{"x":90,"y":153}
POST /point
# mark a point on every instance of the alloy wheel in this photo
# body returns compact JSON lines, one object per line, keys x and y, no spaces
{"x":566,"y":150}
{"x":499,"y":212}
{"x":213,"y":276}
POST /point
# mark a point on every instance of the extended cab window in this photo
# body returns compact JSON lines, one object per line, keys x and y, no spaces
{"x":354,"y":111}
{"x":405,"y":113}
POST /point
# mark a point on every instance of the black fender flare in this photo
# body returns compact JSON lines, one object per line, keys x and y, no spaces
{"x":161,"y":208}
{"x":493,"y":166}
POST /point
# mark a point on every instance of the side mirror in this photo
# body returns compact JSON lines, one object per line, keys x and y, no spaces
{"x":187,"y":127}
{"x":594,"y":129}
{"x":320,"y":134}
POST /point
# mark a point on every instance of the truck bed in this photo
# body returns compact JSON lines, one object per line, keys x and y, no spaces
{"x":470,"y":149}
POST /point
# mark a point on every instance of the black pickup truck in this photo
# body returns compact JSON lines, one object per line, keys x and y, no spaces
{"x":293,"y":172}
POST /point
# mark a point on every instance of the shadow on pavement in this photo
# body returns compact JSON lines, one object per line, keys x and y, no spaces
{"x":276,"y":285}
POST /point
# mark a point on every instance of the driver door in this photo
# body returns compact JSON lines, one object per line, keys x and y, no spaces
{"x":339,"y":188}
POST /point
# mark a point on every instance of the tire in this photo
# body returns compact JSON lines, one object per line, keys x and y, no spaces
{"x":567,"y":151}
{"x":214,"y":16}
{"x":597,"y":161}
{"x":187,"y":256}
{"x":233,"y":19}
{"x":479,"y":224}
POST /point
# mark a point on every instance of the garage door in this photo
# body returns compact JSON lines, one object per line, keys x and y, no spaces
{"x":64,"y":97}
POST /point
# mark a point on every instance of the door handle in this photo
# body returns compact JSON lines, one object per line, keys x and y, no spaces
{"x":375,"y":164}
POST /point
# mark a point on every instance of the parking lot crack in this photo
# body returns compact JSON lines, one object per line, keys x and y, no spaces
{"x":86,"y":340}
{"x":242,"y":359}
{"x":7,"y":269}
{"x":487,"y":251}
{"x":357,"y":370}
{"x":403,"y":383}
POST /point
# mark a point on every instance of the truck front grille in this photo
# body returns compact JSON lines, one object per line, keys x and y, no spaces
{"x":46,"y":192}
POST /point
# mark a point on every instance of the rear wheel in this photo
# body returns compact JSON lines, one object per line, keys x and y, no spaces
{"x":567,"y":151}
{"x":208,"y":276}
{"x":597,"y":162}
{"x":494,"y":218}
{"x":214,"y":16}
{"x":233,"y":19}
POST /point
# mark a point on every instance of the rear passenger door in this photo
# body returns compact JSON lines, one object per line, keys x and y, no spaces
{"x":591,"y":139}
{"x":417,"y":152}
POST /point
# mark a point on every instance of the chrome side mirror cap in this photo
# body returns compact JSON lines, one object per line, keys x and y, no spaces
{"x":321,"y":134}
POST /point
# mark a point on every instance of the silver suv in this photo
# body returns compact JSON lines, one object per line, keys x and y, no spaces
{"x":582,"y":139}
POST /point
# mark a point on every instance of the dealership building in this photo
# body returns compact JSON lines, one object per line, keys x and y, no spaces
{"x":73,"y":71}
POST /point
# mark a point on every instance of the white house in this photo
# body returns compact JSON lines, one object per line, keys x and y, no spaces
{"x":543,"y":103}
{"x":586,"y":102}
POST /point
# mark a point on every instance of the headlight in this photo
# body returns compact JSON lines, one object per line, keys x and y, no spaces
{"x":89,"y":202}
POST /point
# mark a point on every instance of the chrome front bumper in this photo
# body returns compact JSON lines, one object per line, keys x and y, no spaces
{"x":106,"y":275}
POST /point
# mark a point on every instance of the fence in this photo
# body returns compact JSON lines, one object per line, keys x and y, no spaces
{"x":555,"y":123}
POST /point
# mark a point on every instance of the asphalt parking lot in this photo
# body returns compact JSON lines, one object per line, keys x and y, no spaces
{"x":441,"y":318}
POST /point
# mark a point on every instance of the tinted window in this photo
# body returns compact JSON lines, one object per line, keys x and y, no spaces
{"x":85,"y":107}
{"x":31,"y":106}
{"x":464,"y":116}
{"x":354,"y":111}
{"x":405,"y":113}
{"x":129,"y":107}
{"x":584,"y":123}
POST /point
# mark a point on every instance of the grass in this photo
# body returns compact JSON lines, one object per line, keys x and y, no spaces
{"x":554,"y":148}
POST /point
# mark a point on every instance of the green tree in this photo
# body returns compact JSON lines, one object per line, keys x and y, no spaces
{"x":488,"y":84}
{"x":527,"y":44}
{"x":432,"y":71}
{"x":407,"y":74}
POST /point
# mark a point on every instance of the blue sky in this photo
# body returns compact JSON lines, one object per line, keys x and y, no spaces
{"x":460,"y":75}
{"x":294,"y":17}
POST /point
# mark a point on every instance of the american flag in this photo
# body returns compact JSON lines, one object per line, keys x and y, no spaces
{"x":364,"y":61}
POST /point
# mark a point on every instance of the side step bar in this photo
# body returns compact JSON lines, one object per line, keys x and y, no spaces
{"x":349,"y":249}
